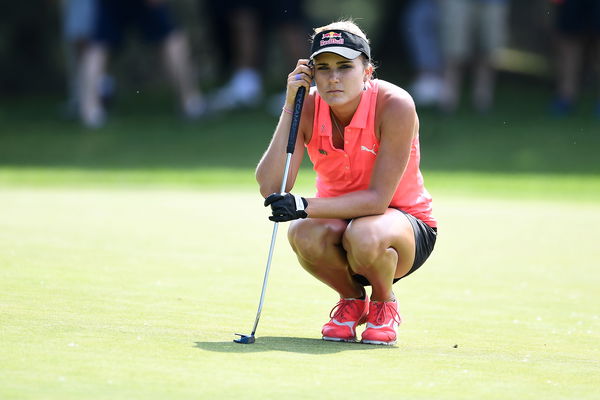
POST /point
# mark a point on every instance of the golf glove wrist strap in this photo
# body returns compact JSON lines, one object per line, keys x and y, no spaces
{"x":286,"y":207}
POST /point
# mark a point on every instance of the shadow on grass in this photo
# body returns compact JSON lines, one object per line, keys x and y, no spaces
{"x":288,"y":344}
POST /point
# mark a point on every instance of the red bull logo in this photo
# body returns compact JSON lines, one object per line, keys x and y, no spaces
{"x":331,"y":38}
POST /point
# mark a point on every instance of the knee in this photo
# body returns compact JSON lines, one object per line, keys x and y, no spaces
{"x":363,"y":245}
{"x":313,"y":241}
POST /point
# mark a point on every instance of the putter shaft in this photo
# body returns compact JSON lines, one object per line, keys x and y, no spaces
{"x":271,"y":247}
{"x":298,"y":102}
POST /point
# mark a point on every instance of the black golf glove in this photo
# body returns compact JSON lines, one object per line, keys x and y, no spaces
{"x":286,"y":206}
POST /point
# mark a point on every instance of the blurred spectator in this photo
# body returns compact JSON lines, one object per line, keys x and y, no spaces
{"x":421,"y":26}
{"x":248,"y":24}
{"x":471,"y":27}
{"x":78,"y":23}
{"x":578,"y":30}
{"x":154,"y":19}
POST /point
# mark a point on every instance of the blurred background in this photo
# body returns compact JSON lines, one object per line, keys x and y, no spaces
{"x":500,"y":85}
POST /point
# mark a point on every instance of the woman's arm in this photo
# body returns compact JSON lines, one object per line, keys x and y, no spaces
{"x":397,"y":123}
{"x":269,"y":173}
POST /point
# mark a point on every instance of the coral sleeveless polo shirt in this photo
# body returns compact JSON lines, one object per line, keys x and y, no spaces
{"x":341,"y":171}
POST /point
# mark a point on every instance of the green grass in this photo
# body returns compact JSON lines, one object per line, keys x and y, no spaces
{"x":136,"y":293}
{"x":575,"y":188}
{"x":144,"y":132}
{"x":130,"y":256}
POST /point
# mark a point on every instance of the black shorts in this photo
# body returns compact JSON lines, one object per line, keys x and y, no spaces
{"x":425,"y":237}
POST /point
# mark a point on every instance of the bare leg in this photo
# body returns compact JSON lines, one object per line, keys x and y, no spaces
{"x":318,"y":246}
{"x":380,"y":248}
{"x":452,"y":83}
{"x":570,"y":53}
{"x":245,"y":86}
{"x":176,"y":55}
{"x":456,"y":24}
{"x":245,"y":38}
{"x":93,"y":66}
{"x":483,"y":88}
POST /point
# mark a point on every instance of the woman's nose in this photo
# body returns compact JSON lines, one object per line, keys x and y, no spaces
{"x":334,"y":76}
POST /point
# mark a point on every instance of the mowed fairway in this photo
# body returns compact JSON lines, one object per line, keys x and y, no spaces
{"x":135,"y":293}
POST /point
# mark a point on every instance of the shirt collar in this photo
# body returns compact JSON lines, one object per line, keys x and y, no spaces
{"x":361,"y":115}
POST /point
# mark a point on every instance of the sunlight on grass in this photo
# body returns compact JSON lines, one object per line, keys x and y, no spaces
{"x":129,"y":256}
{"x":114,"y":292}
{"x":580,"y":188}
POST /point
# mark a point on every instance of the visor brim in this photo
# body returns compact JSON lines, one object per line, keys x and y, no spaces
{"x":345,"y":52}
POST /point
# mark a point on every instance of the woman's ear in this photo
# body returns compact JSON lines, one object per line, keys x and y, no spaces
{"x":368,"y":73}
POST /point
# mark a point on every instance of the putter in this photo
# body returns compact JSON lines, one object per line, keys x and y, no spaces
{"x":298,"y":102}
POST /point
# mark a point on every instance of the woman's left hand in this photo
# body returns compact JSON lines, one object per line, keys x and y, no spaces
{"x":286,"y":207}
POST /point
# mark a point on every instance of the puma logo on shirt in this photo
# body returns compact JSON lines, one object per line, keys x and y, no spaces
{"x":365,"y":148}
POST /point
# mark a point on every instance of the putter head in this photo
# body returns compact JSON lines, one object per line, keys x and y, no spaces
{"x":244,"y":339}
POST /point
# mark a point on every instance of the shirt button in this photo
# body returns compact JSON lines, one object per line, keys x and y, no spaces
{"x":346,"y":142}
{"x":345,"y":155}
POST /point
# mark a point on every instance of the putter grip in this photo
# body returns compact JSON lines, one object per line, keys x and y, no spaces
{"x":298,"y":102}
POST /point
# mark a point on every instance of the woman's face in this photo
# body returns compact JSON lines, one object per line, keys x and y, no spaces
{"x":339,"y":80}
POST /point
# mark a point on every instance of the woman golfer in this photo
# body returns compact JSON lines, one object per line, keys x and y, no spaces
{"x":370,"y":223}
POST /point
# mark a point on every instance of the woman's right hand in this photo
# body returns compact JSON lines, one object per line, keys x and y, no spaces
{"x":302,"y":75}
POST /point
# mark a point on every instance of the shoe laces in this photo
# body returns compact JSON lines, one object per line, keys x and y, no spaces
{"x":383,"y":311}
{"x":341,"y":309}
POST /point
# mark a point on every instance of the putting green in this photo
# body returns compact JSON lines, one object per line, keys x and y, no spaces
{"x":109,"y":293}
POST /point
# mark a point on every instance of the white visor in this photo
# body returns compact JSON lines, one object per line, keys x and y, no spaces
{"x":345,"y":52}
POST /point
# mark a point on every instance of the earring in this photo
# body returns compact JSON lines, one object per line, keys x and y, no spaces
{"x":364,"y":85}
